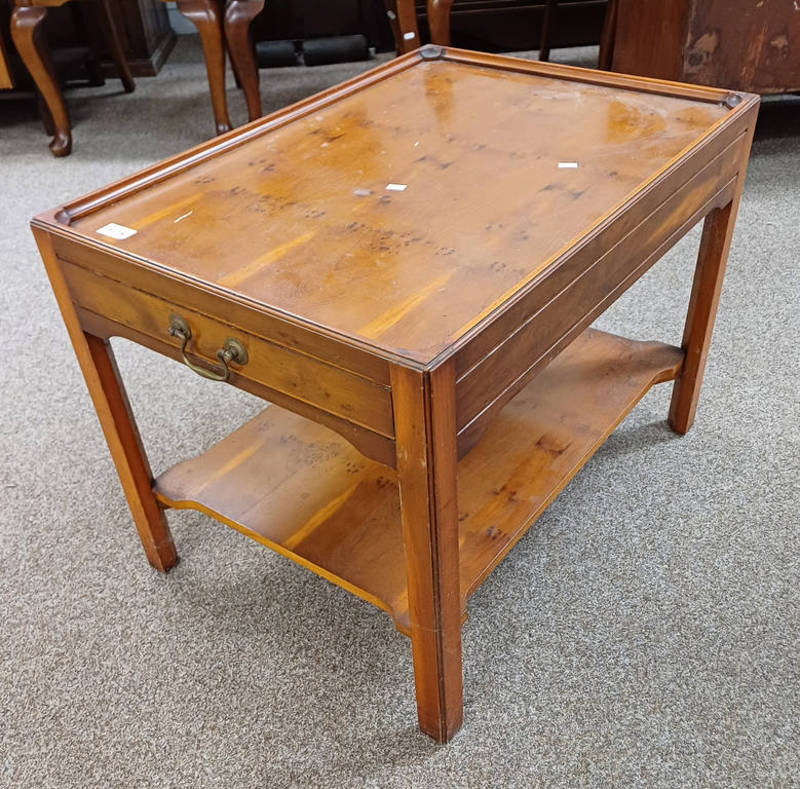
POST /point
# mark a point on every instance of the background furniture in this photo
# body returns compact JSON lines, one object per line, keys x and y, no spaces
{"x":403,"y":15}
{"x":27,"y":34}
{"x":734,"y":44}
{"x":146,"y":35}
{"x":142,"y":25}
{"x":506,"y":25}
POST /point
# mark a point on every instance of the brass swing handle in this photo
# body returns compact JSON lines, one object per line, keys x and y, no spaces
{"x":231,"y":351}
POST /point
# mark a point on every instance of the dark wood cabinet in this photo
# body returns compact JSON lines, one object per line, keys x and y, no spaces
{"x":736,"y":44}
{"x":146,"y":36}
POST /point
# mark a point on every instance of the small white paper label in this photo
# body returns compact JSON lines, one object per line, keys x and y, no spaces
{"x":396,"y":187}
{"x":119,"y":232}
{"x":408,"y":36}
{"x":567,"y":165}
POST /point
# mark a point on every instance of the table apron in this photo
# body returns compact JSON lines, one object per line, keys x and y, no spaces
{"x":358,"y":409}
{"x":581,"y":288}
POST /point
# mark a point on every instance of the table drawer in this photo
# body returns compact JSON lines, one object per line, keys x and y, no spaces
{"x":298,"y":376}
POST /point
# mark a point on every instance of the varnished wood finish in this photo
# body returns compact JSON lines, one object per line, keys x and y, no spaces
{"x":205,"y":16}
{"x":116,"y":419}
{"x":424,"y":405}
{"x":115,"y":45}
{"x":271,"y":364}
{"x":735,"y":44}
{"x":28,"y":36}
{"x":439,"y":21}
{"x":238,"y":16}
{"x":403,"y":21}
{"x":706,"y":289}
{"x":439,"y":326}
{"x":27,"y":33}
{"x":429,"y":286}
{"x":308,"y":494}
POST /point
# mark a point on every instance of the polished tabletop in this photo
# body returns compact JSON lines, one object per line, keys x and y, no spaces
{"x":403,"y":213}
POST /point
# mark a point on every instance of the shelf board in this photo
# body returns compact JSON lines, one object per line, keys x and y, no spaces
{"x":305,"y":492}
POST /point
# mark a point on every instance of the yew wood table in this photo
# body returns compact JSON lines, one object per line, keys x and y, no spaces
{"x":406,"y":266}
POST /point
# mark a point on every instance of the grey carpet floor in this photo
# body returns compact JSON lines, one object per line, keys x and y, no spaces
{"x":646,"y":631}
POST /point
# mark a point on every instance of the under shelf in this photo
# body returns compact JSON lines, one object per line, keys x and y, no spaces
{"x":305,"y":492}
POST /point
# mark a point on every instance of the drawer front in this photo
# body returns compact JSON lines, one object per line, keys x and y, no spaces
{"x":301,"y":377}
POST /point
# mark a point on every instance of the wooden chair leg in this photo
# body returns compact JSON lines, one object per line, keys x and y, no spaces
{"x":115,"y":46}
{"x":44,"y":115}
{"x":403,"y":20}
{"x":238,"y":16}
{"x":547,"y":25}
{"x":424,"y":410}
{"x":439,"y":21}
{"x":204,"y":15}
{"x":605,"y":59}
{"x":28,"y":37}
{"x":113,"y":410}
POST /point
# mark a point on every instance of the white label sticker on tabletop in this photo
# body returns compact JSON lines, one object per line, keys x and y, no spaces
{"x":396,"y":187}
{"x":119,"y":232}
{"x":567,"y":165}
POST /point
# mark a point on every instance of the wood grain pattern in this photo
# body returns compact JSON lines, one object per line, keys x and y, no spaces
{"x":27,"y":32}
{"x":237,"y":314}
{"x":116,"y":419}
{"x":424,"y":408}
{"x":278,"y":216}
{"x":566,"y":311}
{"x":412,"y":320}
{"x":306,"y":493}
{"x":706,"y":290}
{"x":735,"y":44}
{"x":273,"y":365}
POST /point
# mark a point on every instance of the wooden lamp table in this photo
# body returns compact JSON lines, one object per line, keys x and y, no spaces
{"x":406,"y":266}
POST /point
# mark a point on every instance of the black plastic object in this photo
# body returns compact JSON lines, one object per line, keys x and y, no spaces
{"x":341,"y":49}
{"x":271,"y":54}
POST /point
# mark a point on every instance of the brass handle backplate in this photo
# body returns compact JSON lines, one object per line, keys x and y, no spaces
{"x":231,"y":351}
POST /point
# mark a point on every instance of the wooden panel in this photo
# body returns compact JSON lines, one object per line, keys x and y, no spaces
{"x":733,"y":44}
{"x":274,"y":366}
{"x":313,"y":498}
{"x":287,"y":222}
{"x":560,"y":311}
{"x":370,"y":444}
{"x":276,"y":330}
{"x":744,"y":45}
{"x":640,"y":23}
